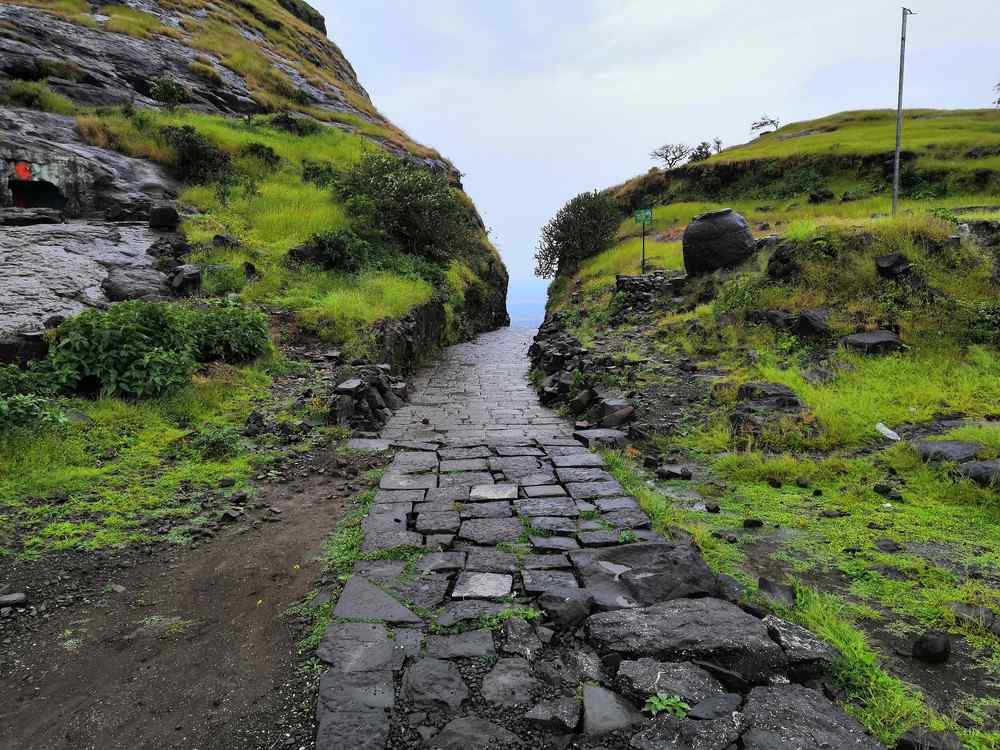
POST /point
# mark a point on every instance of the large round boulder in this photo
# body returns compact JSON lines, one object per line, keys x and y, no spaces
{"x":719,"y":239}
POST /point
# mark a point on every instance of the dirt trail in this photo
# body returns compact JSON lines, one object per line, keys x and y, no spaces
{"x":195,"y":653}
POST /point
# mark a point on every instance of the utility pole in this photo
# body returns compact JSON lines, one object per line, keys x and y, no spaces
{"x":899,"y":114}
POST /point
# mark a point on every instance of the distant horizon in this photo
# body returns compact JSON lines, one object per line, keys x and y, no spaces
{"x":537,"y":104}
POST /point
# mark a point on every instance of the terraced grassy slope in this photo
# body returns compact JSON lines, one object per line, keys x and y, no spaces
{"x":880,"y":545}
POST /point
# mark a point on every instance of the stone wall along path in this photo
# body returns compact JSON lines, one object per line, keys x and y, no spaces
{"x":538,"y":608}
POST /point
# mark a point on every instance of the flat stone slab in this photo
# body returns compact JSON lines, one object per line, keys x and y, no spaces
{"x":359,"y":647}
{"x":464,"y":454}
{"x":510,"y":683}
{"x":547,"y":506}
{"x":466,"y":479}
{"x":482,"y":585}
{"x":361,"y":600}
{"x":465,"y":464}
{"x":473,"y":733}
{"x":538,"y":480}
{"x":491,"y":531}
{"x":545,"y":562}
{"x":468,"y":610}
{"x":413,"y":462}
{"x":553,"y":524}
{"x":577,"y":460}
{"x":599,"y":538}
{"x":519,"y":450}
{"x":593,"y":490}
{"x":627,"y":519}
{"x":377,"y":541}
{"x":795,"y":716}
{"x":709,"y":630}
{"x":583,"y":475}
{"x":433,"y":683}
{"x":366,"y":729}
{"x":611,"y":504}
{"x":368,"y":445}
{"x":544,"y":490}
{"x":448,"y":494}
{"x":440,"y":561}
{"x":389,"y":497}
{"x":872,"y":342}
{"x":471,"y":644}
{"x":391,"y":518}
{"x":553,"y":543}
{"x":516,"y":466}
{"x":688,"y":734}
{"x":425,"y":591}
{"x":539,"y":581}
{"x":489,"y":491}
{"x":491,"y":561}
{"x":498,"y":509}
{"x":356,"y":691}
{"x":644,"y":677}
{"x":438,"y":522}
{"x":408,"y":481}
{"x":560,"y":716}
{"x":632,"y":575}
{"x":605,"y":712}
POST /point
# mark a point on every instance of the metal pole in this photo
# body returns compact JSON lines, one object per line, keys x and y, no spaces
{"x":899,"y":115}
{"x":642,"y":268}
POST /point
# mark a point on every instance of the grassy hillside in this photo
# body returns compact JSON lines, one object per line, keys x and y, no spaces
{"x":834,"y":495}
{"x":88,"y":468}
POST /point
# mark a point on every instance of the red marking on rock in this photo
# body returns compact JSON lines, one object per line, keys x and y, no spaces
{"x":22,"y":170}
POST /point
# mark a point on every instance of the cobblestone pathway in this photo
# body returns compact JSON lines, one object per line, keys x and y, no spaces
{"x":517,"y":597}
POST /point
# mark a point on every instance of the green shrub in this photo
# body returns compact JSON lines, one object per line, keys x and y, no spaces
{"x":294,"y":124}
{"x":403,"y":203}
{"x":228,"y":331}
{"x":582,"y":228}
{"x":321,"y":174}
{"x":22,"y":410}
{"x":216,"y":443}
{"x":221,"y":280}
{"x":983,"y":325}
{"x":261,"y":153}
{"x":135,"y":349}
{"x":34,"y":95}
{"x":335,"y":250}
{"x":197,"y":160}
{"x":34,"y":380}
{"x":168,"y":91}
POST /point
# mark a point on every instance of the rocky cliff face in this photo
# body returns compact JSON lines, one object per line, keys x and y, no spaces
{"x":74,"y":229}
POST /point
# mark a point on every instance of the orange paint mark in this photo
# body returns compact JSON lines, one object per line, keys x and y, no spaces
{"x":22,"y":170}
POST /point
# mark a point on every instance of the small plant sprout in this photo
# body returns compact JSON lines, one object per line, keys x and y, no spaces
{"x":664,"y":702}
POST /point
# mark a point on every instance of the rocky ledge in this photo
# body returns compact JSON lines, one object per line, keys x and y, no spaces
{"x":539,"y":609}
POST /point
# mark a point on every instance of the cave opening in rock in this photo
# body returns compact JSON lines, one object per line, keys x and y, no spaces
{"x":36,"y":194}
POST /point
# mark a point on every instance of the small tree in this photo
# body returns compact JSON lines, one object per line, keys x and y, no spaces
{"x":717,"y":145}
{"x":672,"y":154}
{"x":583,"y":227}
{"x":701,"y":152}
{"x":996,"y":90}
{"x":765,"y":124}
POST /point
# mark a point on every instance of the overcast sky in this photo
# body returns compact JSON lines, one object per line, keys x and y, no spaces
{"x":538,"y":101}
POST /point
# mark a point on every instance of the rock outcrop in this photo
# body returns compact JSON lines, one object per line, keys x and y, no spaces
{"x":719,"y":239}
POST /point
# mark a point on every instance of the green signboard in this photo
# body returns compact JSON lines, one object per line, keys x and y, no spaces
{"x":644,"y":216}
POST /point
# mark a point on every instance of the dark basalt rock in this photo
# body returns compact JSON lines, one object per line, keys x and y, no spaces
{"x":433,"y":683}
{"x":640,"y":574}
{"x":472,"y":733}
{"x":932,"y":647}
{"x":605,"y":712}
{"x":984,"y":473}
{"x":510,"y":683}
{"x":685,"y":629}
{"x":644,"y":677}
{"x":956,"y":451}
{"x":670,"y":733}
{"x":719,"y":239}
{"x":920,"y":738}
{"x":873,"y":342}
{"x":892,"y":266}
{"x":788,"y":716}
{"x":762,"y":403}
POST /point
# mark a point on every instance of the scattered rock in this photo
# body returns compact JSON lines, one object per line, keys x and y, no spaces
{"x":714,"y":240}
{"x":509,"y":683}
{"x":605,"y":712}
{"x":561,"y":715}
{"x":644,"y":677}
{"x":716,"y":707}
{"x":433,"y":683}
{"x":933,"y":647}
{"x":921,"y":738}
{"x":955,"y":451}
{"x":472,"y":733}
{"x":873,"y":342}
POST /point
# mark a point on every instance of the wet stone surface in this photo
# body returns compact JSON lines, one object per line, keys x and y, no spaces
{"x":525,"y":617}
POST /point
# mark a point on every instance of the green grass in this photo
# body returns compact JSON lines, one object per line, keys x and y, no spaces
{"x":939,"y":137}
{"x":938,"y":510}
{"x":99,"y":480}
{"x":34,"y":95}
{"x":125,"y":20}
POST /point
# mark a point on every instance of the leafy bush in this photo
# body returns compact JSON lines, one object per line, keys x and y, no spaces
{"x":262,"y":153}
{"x":664,"y":703}
{"x":35,"y":380}
{"x":321,"y":174}
{"x":217,"y":442}
{"x":228,"y":331}
{"x":168,"y":91}
{"x":295,"y":124}
{"x":582,"y":228}
{"x":335,"y":250}
{"x":197,"y":160}
{"x":406,"y":204}
{"x":983,"y":325}
{"x":135,"y":349}
{"x":21,"y":410}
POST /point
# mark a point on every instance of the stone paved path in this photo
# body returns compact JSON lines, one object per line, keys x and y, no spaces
{"x":513,"y":595}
